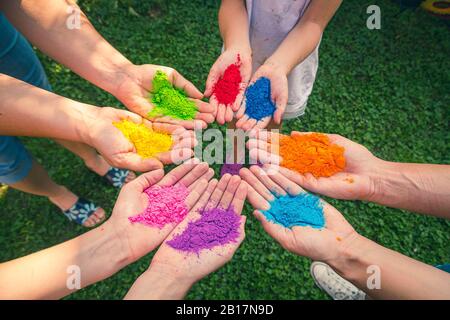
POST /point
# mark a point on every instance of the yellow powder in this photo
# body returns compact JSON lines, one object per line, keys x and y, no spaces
{"x":148,"y":143}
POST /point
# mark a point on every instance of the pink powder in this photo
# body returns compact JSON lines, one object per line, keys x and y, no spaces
{"x":165,"y":205}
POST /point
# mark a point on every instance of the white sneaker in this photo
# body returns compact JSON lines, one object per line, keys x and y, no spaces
{"x":333,"y":284}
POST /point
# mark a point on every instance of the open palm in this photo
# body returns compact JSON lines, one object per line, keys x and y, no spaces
{"x":354,"y":182}
{"x":229,"y":191}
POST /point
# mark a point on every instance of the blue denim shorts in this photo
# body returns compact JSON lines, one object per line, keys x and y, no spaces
{"x":18,"y":60}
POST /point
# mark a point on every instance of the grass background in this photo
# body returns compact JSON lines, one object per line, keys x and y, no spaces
{"x":388,"y":89}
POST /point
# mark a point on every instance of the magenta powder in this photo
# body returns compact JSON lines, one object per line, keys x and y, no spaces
{"x":215,"y":227}
{"x":165,"y":205}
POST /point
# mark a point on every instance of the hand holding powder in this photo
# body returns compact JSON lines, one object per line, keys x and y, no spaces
{"x":227,"y":87}
{"x":165,"y":205}
{"x":170,"y":101}
{"x":258,"y":100}
{"x":148,"y":143}
{"x":215,"y":227}
{"x":311,"y":153}
{"x":301,"y":210}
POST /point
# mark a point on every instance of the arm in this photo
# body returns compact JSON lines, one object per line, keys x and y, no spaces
{"x":88,"y":54}
{"x":83,"y":50}
{"x":46,"y":274}
{"x":340,"y":246}
{"x":305,"y":36}
{"x":233,"y":25}
{"x":401,"y":277}
{"x":416,"y":187}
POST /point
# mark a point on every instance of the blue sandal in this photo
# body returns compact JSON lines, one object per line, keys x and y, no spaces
{"x":80,"y":211}
{"x":116,"y":177}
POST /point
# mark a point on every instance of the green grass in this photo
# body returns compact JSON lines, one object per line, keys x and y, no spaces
{"x":388,"y":89}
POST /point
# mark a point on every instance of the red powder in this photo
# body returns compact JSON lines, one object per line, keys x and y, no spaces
{"x":227,"y":87}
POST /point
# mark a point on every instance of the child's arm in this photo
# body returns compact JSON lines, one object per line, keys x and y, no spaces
{"x":234,"y":29}
{"x":233,"y":25}
{"x":304,"y":38}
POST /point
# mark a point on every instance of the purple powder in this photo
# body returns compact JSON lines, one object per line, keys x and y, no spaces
{"x":215,"y":227}
{"x":231,"y":168}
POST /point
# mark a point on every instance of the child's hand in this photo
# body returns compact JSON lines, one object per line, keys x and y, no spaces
{"x":225,"y":113}
{"x":279,"y":93}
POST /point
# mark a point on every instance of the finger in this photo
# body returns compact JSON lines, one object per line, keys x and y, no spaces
{"x":228,"y":114}
{"x":175,"y":156}
{"x":257,"y":186}
{"x":180,"y":82}
{"x":134,"y":162}
{"x":218,"y":192}
{"x":262,"y":145}
{"x":256,"y":200}
{"x":213,"y":76}
{"x":220,"y":114}
{"x":264,"y":157}
{"x":279,"y":111}
{"x":208,"y":175}
{"x":261,"y":124}
{"x":194,"y":174}
{"x":288,"y":185}
{"x":206,"y":111}
{"x":175,"y":175}
{"x":201,"y":203}
{"x":274,"y":230}
{"x":267,"y":181}
{"x":196,"y":193}
{"x":239,"y":198}
{"x":241,"y":121}
{"x":249,"y":124}
{"x":241,"y":111}
{"x":238,"y":101}
{"x":229,"y":192}
{"x":144,"y":181}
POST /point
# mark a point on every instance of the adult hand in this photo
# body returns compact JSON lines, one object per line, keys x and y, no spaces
{"x":264,"y":184}
{"x":356,"y":182}
{"x":100,"y":133}
{"x":225,"y":113}
{"x":279,"y":95}
{"x":191,"y":267}
{"x":138,"y":239}
{"x":136,"y":84}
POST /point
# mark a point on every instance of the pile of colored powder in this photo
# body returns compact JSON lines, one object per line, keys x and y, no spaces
{"x":215,"y":227}
{"x":301,"y":210}
{"x":170,"y":101}
{"x":313,"y":153}
{"x":148,"y":143}
{"x":227,"y":87}
{"x":165,"y":205}
{"x":258,"y":100}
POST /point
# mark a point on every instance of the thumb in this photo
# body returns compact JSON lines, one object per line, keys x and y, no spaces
{"x":180,"y":82}
{"x":146,"y":180}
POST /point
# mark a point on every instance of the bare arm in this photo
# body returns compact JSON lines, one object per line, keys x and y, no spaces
{"x":401,"y":277}
{"x":233,"y":25}
{"x":83,"y":50}
{"x":52,"y":273}
{"x":306,"y":35}
{"x":423,"y":188}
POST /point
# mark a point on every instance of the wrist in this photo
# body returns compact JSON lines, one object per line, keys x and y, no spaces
{"x":241,"y":49}
{"x":86,"y":117}
{"x":158,"y":284}
{"x":277,"y":64}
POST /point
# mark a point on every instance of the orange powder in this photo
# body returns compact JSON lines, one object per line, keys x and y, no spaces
{"x":313,"y":153}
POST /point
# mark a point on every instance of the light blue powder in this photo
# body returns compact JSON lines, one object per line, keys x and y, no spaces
{"x":301,"y":210}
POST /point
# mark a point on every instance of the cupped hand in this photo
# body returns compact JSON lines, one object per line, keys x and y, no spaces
{"x":100,"y":133}
{"x":135,"y":86}
{"x":140,"y":239}
{"x":279,"y":95}
{"x":191,"y":267}
{"x":356,"y":182}
{"x":224,"y":112}
{"x":318,"y":244}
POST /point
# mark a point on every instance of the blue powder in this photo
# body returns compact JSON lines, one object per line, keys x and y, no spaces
{"x":258,"y":100}
{"x":301,"y":210}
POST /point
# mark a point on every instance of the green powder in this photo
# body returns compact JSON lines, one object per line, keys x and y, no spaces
{"x":170,"y":101}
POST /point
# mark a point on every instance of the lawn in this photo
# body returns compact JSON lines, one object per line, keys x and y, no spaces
{"x":388,"y":89}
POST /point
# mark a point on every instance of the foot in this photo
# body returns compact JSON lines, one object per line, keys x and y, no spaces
{"x":101,"y":167}
{"x":65,"y":200}
{"x":333,"y":284}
